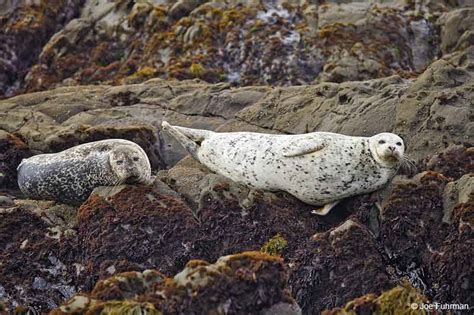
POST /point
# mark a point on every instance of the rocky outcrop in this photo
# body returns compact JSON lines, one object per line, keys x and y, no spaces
{"x":421,"y":234}
{"x":430,"y":112}
{"x":247,"y":283}
{"x":25,"y":27}
{"x":131,"y":249}
{"x":239,"y":42}
{"x":13,"y":150}
{"x":36,"y":269}
{"x":337,"y":266}
{"x":403,"y":299}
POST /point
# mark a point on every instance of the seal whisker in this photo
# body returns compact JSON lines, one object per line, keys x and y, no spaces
{"x":409,"y":165}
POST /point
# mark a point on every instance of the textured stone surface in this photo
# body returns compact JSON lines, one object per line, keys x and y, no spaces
{"x":34,"y":22}
{"x":246,"y":283}
{"x":435,"y":107}
{"x":415,"y":63}
{"x":240,"y":42}
{"x":337,"y":266}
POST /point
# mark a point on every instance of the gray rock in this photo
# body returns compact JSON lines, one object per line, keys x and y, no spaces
{"x":460,"y":191}
{"x":457,"y":29}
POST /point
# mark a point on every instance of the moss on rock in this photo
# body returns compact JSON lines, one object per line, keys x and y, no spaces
{"x":401,"y":300}
{"x":275,"y":245}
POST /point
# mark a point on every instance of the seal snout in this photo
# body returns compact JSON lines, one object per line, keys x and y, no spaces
{"x":387,"y":148}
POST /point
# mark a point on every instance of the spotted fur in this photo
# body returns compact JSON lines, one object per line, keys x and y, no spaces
{"x":71,"y":175}
{"x":317,"y":168}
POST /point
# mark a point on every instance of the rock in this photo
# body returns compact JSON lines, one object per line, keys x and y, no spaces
{"x":343,"y":66}
{"x":229,"y":286}
{"x":35,"y":268}
{"x":457,"y":29}
{"x":239,"y":42}
{"x":455,"y":255}
{"x":13,"y":150}
{"x":121,"y":68}
{"x":337,"y":266}
{"x":6,"y":200}
{"x":346,"y":13}
{"x":141,"y":226}
{"x":34,"y":23}
{"x":401,"y":299}
{"x":183,"y":7}
{"x":454,"y":162}
{"x":435,"y":107}
{"x":409,"y":228}
{"x":455,"y":193}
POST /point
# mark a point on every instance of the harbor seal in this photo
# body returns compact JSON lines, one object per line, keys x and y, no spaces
{"x":71,"y":175}
{"x":319,"y":168}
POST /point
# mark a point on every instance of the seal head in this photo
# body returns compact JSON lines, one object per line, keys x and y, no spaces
{"x":128,"y":162}
{"x":387,"y":149}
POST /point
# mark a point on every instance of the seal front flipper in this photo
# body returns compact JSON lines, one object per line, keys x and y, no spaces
{"x":302,"y":147}
{"x":189,"y":138}
{"x":326,"y":208}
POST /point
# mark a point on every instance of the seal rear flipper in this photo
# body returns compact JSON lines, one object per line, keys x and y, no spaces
{"x":325,"y":209}
{"x":196,"y":135}
{"x":189,"y":138}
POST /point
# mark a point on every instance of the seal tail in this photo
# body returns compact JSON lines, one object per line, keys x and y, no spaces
{"x":189,"y":138}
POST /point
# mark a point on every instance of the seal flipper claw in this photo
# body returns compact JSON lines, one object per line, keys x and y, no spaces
{"x":325,"y":209}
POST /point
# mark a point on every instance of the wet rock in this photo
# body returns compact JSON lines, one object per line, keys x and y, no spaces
{"x":141,"y":226}
{"x":33,"y":22}
{"x":435,"y":107}
{"x":35,"y":266}
{"x":13,"y":150}
{"x":345,"y":13}
{"x":454,"y":162}
{"x":337,"y":266}
{"x":183,"y":7}
{"x":412,"y":222}
{"x":455,"y":254}
{"x":233,"y":218}
{"x":246,"y":283}
{"x":240,"y":42}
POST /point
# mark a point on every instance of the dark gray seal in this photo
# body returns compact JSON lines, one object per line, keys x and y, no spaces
{"x":71,"y":175}
{"x":319,"y":168}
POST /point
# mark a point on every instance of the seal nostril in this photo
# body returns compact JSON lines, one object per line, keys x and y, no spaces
{"x":391,"y":148}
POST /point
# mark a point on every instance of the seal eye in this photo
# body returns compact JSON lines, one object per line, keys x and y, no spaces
{"x":136,"y":158}
{"x":381,"y":141}
{"x":399,"y":143}
{"x":119,"y":162}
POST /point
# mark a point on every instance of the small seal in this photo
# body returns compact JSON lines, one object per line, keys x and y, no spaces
{"x":319,"y":168}
{"x":71,"y":175}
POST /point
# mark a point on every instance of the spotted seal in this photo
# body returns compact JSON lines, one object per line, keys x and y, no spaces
{"x":71,"y":175}
{"x":319,"y":168}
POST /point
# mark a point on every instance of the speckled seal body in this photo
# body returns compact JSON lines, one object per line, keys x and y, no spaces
{"x":318,"y":168}
{"x":71,"y":175}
